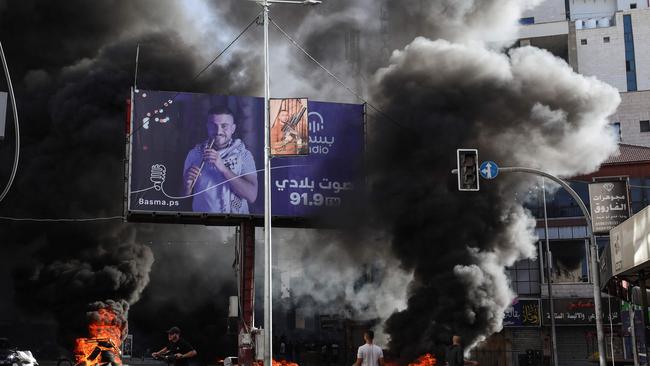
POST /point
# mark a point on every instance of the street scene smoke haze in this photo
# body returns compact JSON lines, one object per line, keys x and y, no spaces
{"x":445,"y":75}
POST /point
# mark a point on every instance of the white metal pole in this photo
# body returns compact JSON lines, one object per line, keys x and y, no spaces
{"x":268,"y":263}
{"x":548,"y":279}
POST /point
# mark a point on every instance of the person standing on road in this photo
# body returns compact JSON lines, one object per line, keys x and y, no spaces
{"x":455,"y":354}
{"x":181,"y":349}
{"x":369,"y":354}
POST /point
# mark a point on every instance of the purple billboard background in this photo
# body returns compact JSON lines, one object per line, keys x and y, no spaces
{"x":164,"y":133}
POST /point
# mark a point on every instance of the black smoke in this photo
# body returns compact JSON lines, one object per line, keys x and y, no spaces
{"x":72,"y":65}
{"x":448,"y":96}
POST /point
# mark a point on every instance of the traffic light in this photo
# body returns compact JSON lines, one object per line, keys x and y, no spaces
{"x":467,"y":169}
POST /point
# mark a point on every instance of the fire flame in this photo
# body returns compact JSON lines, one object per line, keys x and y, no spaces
{"x":424,"y":360}
{"x":277,"y":363}
{"x":284,"y":363}
{"x":104,"y":343}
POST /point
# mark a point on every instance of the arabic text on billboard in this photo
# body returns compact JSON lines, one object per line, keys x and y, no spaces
{"x":579,"y":311}
{"x":200,"y":153}
{"x":523,"y":313}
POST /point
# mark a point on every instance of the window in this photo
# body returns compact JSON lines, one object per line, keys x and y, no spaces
{"x":639,"y":193}
{"x":569,"y":258}
{"x":630,"y":61}
{"x":559,"y":204}
{"x":617,"y":129}
{"x":632,"y":5}
{"x":583,"y":41}
{"x":644,"y":126}
{"x":525,"y":277}
{"x":605,"y":39}
{"x":527,"y":21}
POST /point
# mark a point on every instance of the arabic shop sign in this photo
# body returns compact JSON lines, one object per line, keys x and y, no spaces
{"x":522,"y":313}
{"x":579,"y":311}
{"x":610,"y":205}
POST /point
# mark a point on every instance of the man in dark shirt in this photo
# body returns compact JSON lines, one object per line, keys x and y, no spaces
{"x":179,"y":348}
{"x":455,"y":353}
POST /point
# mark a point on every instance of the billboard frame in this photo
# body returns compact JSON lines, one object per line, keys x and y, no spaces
{"x":216,"y":219}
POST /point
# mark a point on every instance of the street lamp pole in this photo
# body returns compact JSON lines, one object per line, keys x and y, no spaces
{"x":268,"y":263}
{"x":595,"y":275}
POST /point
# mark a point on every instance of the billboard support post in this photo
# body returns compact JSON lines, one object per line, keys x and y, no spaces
{"x":246,"y":291}
{"x":595,"y":275}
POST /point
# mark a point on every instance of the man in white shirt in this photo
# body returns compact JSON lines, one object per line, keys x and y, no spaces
{"x":369,"y":354}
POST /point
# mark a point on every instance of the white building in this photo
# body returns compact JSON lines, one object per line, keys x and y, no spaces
{"x":608,"y":39}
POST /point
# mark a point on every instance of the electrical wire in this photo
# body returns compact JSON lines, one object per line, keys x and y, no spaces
{"x":338,"y":80}
{"x":14,"y":169}
{"x":255,"y":20}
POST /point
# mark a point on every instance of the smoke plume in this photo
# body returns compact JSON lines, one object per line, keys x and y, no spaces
{"x":325,"y":268}
{"x":118,"y":317}
{"x":72,"y":68}
{"x":452,"y":82}
{"x":520,"y":108}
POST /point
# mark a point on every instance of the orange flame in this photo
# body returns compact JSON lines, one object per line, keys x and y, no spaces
{"x":278,"y":363}
{"x":424,"y":360}
{"x":105,"y":337}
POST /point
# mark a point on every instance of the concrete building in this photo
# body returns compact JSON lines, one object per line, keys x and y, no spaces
{"x":607,"y":39}
{"x":526,"y":338}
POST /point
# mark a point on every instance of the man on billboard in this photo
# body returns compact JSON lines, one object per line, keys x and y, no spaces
{"x":220,"y":172}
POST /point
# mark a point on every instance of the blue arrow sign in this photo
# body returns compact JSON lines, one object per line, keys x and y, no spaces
{"x":489,"y":170}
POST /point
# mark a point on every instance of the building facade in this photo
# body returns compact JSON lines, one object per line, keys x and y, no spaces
{"x":526,"y":337}
{"x":606,"y":39}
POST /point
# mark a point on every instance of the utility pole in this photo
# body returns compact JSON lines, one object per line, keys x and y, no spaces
{"x":268,"y":265}
{"x":595,"y":275}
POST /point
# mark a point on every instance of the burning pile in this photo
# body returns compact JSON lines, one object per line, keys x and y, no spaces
{"x":424,"y":360}
{"x":107,"y":328}
{"x":283,"y":363}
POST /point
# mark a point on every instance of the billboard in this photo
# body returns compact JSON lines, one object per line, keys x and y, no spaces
{"x":580,"y":311}
{"x":523,"y":313}
{"x":630,"y":245}
{"x":200,"y":155}
{"x":610,"y":204}
{"x":289,"y":131}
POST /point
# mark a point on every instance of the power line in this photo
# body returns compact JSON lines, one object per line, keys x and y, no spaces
{"x":255,"y":20}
